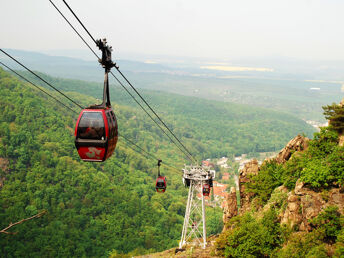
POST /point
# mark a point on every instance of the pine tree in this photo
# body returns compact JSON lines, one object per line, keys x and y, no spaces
{"x":335,"y":114}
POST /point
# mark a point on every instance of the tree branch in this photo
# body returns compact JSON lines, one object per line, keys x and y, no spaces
{"x":19,"y":222}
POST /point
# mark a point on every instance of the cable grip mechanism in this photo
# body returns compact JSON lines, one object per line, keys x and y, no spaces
{"x":106,"y":60}
{"x":159,"y":164}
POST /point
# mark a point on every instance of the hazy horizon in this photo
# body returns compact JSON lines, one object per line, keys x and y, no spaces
{"x":218,"y":30}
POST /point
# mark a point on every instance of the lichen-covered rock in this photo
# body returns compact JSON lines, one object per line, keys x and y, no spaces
{"x":299,"y":143}
{"x":303,"y":204}
{"x":250,"y":168}
{"x":292,"y":215}
{"x":230,"y":207}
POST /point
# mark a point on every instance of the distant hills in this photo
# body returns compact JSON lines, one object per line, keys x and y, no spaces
{"x":288,"y":86}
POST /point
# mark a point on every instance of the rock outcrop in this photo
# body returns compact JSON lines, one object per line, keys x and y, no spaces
{"x":299,"y":143}
{"x":301,"y":204}
{"x":250,"y":168}
{"x":230,"y":207}
{"x":304,"y":204}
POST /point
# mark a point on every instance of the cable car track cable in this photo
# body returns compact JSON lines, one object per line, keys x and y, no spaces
{"x":188,"y":155}
{"x":41,"y":79}
{"x":147,"y":153}
{"x":117,"y":68}
{"x":74,"y":29}
{"x":38,"y":87}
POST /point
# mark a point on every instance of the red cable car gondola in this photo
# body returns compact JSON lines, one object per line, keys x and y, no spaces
{"x":206,"y":190}
{"x":96,"y":131}
{"x":160,"y":185}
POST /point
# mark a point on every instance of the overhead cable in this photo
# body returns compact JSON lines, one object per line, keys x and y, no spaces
{"x":146,"y":152}
{"x":74,"y":29}
{"x":38,"y":87}
{"x":41,"y":79}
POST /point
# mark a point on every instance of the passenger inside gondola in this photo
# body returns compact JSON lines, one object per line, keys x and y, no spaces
{"x":91,"y":126}
{"x":160,"y":184}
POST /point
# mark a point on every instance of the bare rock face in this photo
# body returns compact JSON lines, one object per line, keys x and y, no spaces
{"x":230,"y":208}
{"x":292,"y":214}
{"x":299,"y":143}
{"x":304,"y":204}
{"x":250,"y":168}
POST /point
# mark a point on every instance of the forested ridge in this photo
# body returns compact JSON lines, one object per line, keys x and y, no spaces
{"x":97,"y":209}
{"x":202,"y":124}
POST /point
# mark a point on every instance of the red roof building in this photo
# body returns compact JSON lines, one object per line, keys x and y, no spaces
{"x":225,"y":176}
{"x":220,"y":193}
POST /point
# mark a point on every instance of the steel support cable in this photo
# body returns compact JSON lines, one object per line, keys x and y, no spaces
{"x":38,"y":87}
{"x":147,"y":153}
{"x":186,"y":154}
{"x":41,"y":79}
{"x":70,"y":9}
{"x":155,"y":113}
{"x":74,"y":28}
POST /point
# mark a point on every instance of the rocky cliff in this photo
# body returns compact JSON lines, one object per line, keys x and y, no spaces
{"x":296,"y":209}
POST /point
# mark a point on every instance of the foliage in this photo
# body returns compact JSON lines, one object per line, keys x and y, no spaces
{"x":251,"y":237}
{"x":321,"y":165}
{"x":339,"y":246}
{"x":212,"y":129}
{"x":302,"y":244}
{"x":335,"y":113}
{"x":329,"y":223}
{"x":268,"y":178}
{"x":327,"y":229}
{"x":323,"y":161}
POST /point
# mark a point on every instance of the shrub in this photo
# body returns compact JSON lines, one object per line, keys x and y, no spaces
{"x":328,"y":223}
{"x":250,"y":237}
{"x":303,"y":244}
{"x":268,"y":178}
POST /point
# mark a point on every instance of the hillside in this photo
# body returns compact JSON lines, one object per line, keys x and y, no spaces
{"x":92,"y":209}
{"x":290,"y":206}
{"x":210,"y":128}
{"x":98,"y":209}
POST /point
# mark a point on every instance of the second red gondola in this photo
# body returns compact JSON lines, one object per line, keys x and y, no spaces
{"x":160,"y":185}
{"x":206,"y":190}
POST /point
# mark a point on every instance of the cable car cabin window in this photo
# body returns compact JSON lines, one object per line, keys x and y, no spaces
{"x":160,"y":184}
{"x":111,"y":125}
{"x":91,"y":126}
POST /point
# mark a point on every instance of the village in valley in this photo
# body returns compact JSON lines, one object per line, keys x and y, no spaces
{"x":227,"y":175}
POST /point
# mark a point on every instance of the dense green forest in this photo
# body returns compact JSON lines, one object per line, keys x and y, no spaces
{"x":211,"y":129}
{"x":97,"y":209}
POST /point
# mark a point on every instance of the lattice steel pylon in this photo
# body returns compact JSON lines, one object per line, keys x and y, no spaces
{"x":194,"y":221}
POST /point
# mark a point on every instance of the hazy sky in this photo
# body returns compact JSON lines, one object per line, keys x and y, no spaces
{"x":217,"y":29}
